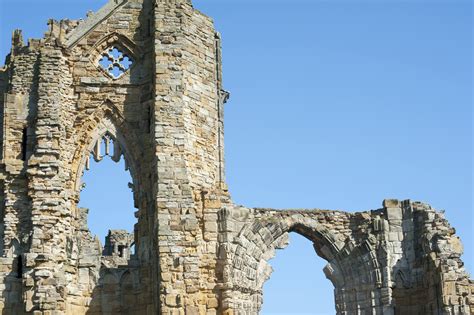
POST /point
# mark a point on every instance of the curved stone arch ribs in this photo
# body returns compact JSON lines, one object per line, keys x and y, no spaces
{"x":106,"y":124}
{"x":254,"y":246}
{"x":106,"y":120}
{"x":105,"y":132}
{"x":342,"y":239}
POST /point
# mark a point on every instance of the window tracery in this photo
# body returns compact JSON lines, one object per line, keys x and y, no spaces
{"x":105,"y":142}
{"x":115,"y":62}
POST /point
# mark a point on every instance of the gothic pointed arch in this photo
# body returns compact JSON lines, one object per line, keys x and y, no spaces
{"x":114,"y":55}
{"x":107,"y":122}
{"x":350,"y":264}
{"x":119,"y":39}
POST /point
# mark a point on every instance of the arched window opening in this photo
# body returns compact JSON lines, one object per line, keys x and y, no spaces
{"x":107,"y":193}
{"x":298,"y":285}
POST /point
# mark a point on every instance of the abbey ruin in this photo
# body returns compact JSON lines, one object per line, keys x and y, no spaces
{"x":143,"y":79}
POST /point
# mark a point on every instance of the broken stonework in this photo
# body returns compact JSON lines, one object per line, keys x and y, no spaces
{"x":144,"y":79}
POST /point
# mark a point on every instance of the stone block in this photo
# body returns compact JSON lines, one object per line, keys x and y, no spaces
{"x":391,"y":203}
{"x":393,"y":213}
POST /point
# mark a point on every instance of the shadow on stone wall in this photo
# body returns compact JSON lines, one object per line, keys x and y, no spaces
{"x":117,"y":292}
{"x":12,"y":285}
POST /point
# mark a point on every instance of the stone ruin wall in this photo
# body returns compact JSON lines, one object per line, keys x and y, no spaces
{"x":195,"y":251}
{"x":401,"y":259}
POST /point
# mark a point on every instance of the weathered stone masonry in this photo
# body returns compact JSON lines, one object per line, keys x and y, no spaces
{"x":144,"y":77}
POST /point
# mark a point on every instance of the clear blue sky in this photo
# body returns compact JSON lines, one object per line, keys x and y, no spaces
{"x":335,"y":104}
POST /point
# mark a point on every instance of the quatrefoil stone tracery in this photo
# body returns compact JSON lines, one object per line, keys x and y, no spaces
{"x":115,"y":62}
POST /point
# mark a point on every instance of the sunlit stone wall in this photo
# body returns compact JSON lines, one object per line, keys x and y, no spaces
{"x":144,"y":77}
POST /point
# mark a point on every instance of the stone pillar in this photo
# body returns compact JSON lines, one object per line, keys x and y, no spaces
{"x":44,"y":281}
{"x":187,"y":136}
{"x":393,"y":251}
{"x":17,"y":105}
{"x":175,"y":213}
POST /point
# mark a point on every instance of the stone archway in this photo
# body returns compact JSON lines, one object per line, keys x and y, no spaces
{"x":352,"y":266}
{"x":106,"y":119}
{"x":105,"y":128}
{"x":401,"y":259}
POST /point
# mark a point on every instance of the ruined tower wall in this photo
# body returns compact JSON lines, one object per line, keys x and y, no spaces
{"x":400,"y":259}
{"x":186,"y":131}
{"x":195,"y":251}
{"x":121,"y":107}
{"x":77,"y":101}
{"x":68,"y":99}
{"x":19,"y":95}
{"x":45,"y":277}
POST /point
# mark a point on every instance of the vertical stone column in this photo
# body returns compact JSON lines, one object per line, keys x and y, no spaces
{"x":44,"y":281}
{"x":175,"y":212}
{"x":18,"y":84}
{"x":15,"y":121}
{"x":3,"y":91}
{"x":14,"y":224}
{"x":19,"y":90}
{"x":392,"y":238}
{"x":187,"y":137}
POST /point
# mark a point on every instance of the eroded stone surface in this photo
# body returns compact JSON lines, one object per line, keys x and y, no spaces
{"x":195,"y":252}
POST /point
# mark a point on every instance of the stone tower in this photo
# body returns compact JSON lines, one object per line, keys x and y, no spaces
{"x":144,"y":77}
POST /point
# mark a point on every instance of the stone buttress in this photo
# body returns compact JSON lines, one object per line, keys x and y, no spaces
{"x":143,"y":80}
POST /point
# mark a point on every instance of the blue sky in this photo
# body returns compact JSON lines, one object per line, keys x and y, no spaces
{"x":334,"y":104}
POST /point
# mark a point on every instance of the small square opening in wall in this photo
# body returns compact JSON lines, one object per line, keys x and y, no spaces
{"x":121,"y":250}
{"x":115,"y":62}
